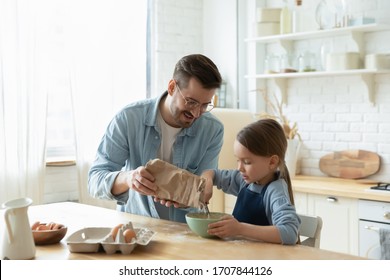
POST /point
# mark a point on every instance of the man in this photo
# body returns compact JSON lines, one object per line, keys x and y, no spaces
{"x":175,"y":127}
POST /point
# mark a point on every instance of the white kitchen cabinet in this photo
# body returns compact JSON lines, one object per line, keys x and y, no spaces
{"x":339,"y":216}
{"x":301,"y":203}
{"x":340,"y":222}
{"x":286,"y":41}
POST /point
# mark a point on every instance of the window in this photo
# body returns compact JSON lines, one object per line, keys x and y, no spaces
{"x":99,"y":48}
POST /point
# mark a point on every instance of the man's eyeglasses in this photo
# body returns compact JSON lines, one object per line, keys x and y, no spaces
{"x":193,"y":104}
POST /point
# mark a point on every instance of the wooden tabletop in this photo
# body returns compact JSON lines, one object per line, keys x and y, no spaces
{"x":173,"y":241}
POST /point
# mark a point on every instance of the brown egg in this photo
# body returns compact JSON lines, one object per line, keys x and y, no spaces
{"x":114,"y":231}
{"x":57,"y":226}
{"x":129,"y":234}
{"x":42,"y":227}
{"x":35,"y":225}
{"x":50,"y":225}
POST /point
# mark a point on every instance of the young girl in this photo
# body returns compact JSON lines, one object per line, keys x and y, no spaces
{"x":264,"y":208}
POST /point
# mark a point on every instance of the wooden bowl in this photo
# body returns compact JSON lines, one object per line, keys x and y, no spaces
{"x":46,"y":237}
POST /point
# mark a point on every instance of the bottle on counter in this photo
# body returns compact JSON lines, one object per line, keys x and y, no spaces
{"x":285,"y":19}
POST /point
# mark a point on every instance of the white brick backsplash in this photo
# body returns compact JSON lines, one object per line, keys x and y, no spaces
{"x":384,"y":149}
{"x":335,"y":89}
{"x":364,"y":108}
{"x":334,"y":113}
{"x":351,"y":118}
{"x":359,"y":146}
{"x":335,"y":146}
{"x":311,"y":127}
{"x":348,"y":137}
{"x":178,"y":32}
{"x":337,"y":108}
{"x":379,"y":118}
{"x":376,"y":137}
{"x":322,"y":136}
{"x":348,"y":98}
{"x":385,"y":128}
{"x":336,"y":127}
{"x":323,"y":98}
{"x":363,"y":127}
{"x":299,"y":117}
{"x":312,"y":146}
{"x":372,"y":39}
{"x":383,"y":5}
{"x":320,"y":117}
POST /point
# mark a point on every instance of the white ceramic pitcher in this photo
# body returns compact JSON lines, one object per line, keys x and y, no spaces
{"x":18,"y":242}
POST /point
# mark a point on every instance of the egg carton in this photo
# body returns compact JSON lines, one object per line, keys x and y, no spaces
{"x":92,"y":240}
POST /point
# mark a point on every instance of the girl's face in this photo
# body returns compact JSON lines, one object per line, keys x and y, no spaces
{"x":254,"y":168}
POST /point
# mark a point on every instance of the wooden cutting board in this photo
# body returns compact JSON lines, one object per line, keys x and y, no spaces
{"x":350,"y":164}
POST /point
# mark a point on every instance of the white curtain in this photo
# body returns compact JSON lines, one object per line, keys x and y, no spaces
{"x":23,"y":99}
{"x":107,"y":70}
{"x":104,"y":58}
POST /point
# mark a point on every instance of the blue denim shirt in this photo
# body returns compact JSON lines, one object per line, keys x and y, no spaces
{"x":278,"y":208}
{"x":133,"y":138}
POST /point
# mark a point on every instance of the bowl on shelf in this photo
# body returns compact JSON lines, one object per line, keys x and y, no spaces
{"x":48,"y":236}
{"x":198,"y":222}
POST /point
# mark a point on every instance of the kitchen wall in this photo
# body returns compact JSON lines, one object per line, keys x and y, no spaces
{"x":195,"y":26}
{"x":178,"y":29}
{"x":61,"y":184}
{"x":177,"y":26}
{"x":333,"y":113}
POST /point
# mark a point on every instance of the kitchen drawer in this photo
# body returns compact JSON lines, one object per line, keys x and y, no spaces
{"x":369,"y":209}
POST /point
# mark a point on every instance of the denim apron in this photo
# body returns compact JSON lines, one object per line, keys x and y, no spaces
{"x":250,"y":208}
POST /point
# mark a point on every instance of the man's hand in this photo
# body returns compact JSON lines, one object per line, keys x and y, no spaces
{"x":142,"y":181}
{"x":169,"y":203}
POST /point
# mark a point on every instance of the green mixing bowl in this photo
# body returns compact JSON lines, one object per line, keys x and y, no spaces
{"x":198,"y":222}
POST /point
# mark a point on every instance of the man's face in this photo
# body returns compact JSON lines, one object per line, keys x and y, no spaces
{"x":189,"y":103}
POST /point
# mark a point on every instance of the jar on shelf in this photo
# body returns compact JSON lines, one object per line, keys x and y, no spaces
{"x":271,"y":64}
{"x":307,"y":62}
{"x":287,"y":64}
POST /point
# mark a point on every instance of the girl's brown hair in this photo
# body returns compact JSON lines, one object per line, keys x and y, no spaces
{"x":266,"y":138}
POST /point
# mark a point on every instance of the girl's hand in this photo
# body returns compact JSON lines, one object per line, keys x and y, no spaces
{"x":208,"y":190}
{"x":228,"y":226}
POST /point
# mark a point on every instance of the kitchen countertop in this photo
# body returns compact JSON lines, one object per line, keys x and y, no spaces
{"x":172,"y":241}
{"x":338,"y":187}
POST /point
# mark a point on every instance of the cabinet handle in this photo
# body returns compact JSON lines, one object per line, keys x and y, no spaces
{"x":386,"y":215}
{"x":331,"y":199}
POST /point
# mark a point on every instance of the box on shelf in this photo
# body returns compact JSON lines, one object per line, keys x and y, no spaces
{"x":268,"y":14}
{"x":378,"y":61}
{"x":360,"y":21}
{"x":343,"y":61}
{"x":262,"y":29}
